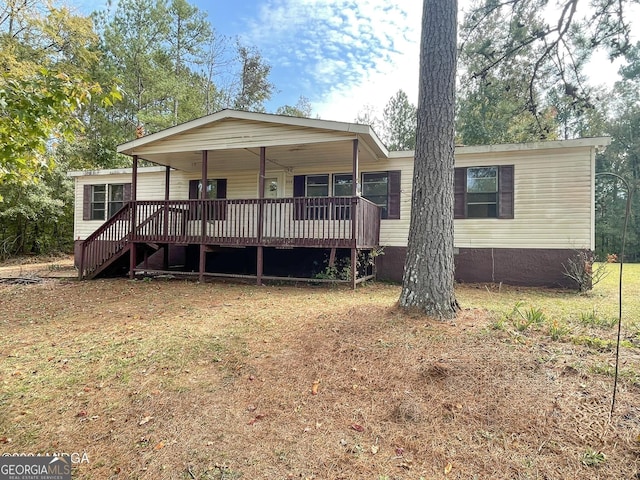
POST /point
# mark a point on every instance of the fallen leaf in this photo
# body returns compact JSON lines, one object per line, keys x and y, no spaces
{"x":159,"y":446}
{"x":314,"y":387}
{"x":374,"y":449}
{"x":447,"y":469}
{"x":146,"y":419}
{"x":357,"y":428}
{"x":255,"y":419}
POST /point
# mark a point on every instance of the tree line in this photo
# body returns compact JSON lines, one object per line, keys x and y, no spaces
{"x":73,"y":87}
{"x":518,"y":99}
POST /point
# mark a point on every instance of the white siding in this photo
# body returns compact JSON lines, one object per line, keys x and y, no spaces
{"x":150,"y":187}
{"x":553,"y":196}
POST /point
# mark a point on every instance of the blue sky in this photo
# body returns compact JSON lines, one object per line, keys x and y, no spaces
{"x":343,"y":55}
{"x":340,"y":54}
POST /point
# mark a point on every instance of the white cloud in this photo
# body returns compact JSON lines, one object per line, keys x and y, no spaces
{"x":345,"y":55}
{"x":351,"y":53}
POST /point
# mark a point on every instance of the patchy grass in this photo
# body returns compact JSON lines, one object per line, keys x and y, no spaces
{"x":173,"y":379}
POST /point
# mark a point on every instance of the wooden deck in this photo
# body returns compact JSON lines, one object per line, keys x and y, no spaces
{"x":322,"y":222}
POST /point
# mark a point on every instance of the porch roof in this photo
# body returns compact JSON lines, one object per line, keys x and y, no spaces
{"x":235,"y":137}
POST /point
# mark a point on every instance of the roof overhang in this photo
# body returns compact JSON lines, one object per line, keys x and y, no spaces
{"x":237,"y":136}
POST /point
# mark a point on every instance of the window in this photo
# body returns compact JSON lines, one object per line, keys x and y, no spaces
{"x":102,"y":201}
{"x":216,"y":189}
{"x":98,"y":197}
{"x":375,"y":188}
{"x":484,"y":192}
{"x":116,"y":198}
{"x":317,"y":185}
{"x":383,"y":189}
{"x":342,"y":185}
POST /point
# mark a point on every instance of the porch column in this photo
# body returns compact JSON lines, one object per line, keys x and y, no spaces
{"x":354,"y":214}
{"x":134,"y":208}
{"x":167,"y":181}
{"x":260,"y":253}
{"x":203,"y":196}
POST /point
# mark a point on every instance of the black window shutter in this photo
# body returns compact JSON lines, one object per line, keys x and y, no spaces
{"x":505,"y":189}
{"x":393,"y":195}
{"x":298,"y":185}
{"x":193,"y":189}
{"x":460,"y":192}
{"x":86,"y":202}
{"x":221,"y":188}
{"x":298,"y":191}
{"x":127,"y":192}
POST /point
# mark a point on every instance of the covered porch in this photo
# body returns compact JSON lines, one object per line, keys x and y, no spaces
{"x":281,"y":214}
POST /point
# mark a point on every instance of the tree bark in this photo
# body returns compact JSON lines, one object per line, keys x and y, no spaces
{"x":428,"y":283}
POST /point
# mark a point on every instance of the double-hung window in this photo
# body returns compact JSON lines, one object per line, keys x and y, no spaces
{"x":342,"y":187}
{"x":316,"y":186}
{"x":484,"y":192}
{"x":98,"y":202}
{"x":102,"y":201}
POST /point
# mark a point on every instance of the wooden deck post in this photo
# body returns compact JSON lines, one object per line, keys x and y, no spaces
{"x":82,"y":254}
{"x":260,"y":253}
{"x":203,"y":213}
{"x":132,"y":229}
{"x":354,"y":215}
{"x":167,"y":181}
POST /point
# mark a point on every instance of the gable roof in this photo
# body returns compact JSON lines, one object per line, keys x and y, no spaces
{"x":239,"y":130}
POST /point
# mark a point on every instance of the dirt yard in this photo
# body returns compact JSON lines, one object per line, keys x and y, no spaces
{"x":171,"y":379}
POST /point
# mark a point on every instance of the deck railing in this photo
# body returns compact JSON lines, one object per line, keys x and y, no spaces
{"x":329,"y":222}
{"x":295,"y":222}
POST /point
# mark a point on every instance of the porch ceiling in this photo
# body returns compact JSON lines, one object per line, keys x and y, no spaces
{"x":283,"y":156}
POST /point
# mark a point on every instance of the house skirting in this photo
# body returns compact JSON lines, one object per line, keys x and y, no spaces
{"x":512,"y":266}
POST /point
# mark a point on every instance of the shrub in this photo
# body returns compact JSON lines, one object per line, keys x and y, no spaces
{"x":579,"y":268}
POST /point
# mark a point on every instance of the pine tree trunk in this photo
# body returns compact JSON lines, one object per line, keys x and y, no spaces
{"x":428,"y":283}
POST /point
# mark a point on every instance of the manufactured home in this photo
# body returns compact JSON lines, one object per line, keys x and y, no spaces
{"x":264,"y":196}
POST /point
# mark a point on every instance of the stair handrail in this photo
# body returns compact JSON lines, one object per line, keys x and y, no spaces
{"x":123,"y":214}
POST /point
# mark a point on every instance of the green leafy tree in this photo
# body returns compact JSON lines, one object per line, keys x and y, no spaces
{"x":622,"y":157}
{"x":550,"y":55}
{"x":44,"y":86}
{"x":189,"y":31}
{"x":254,"y":85}
{"x":399,"y":118}
{"x":134,"y":43}
{"x":302,"y":108}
